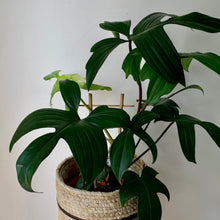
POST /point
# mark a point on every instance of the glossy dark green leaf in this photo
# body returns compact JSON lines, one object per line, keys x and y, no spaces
{"x":122,"y":27}
{"x":185,"y":125}
{"x":150,"y":29}
{"x":144,"y":136}
{"x":143,"y":118}
{"x":186,"y":132}
{"x":167,"y":109}
{"x":43,"y":118}
{"x":31,"y":158}
{"x":160,"y":55}
{"x":157,"y":86}
{"x":100,"y":50}
{"x":122,"y":152}
{"x":106,"y":117}
{"x":145,"y":188}
{"x":211,"y":60}
{"x":196,"y":20}
{"x":186,"y":88}
{"x":70,"y":92}
{"x":149,"y":22}
{"x":131,"y":64}
{"x":89,"y":148}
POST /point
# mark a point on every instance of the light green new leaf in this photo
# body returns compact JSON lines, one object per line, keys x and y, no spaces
{"x":186,"y":132}
{"x":186,"y":63}
{"x":54,"y":74}
{"x":74,"y":77}
{"x":211,"y":60}
{"x":94,"y":87}
{"x":122,"y":27}
{"x":122,"y":153}
{"x":100,"y":50}
{"x":145,"y":188}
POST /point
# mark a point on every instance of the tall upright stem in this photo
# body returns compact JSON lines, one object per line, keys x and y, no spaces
{"x":138,"y":81}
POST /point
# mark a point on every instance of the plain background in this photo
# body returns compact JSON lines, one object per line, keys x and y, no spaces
{"x":40,"y":36}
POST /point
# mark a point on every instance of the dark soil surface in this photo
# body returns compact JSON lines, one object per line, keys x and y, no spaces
{"x":109,"y":184}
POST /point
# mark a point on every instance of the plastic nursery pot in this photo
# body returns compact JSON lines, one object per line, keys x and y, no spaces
{"x":85,"y":205}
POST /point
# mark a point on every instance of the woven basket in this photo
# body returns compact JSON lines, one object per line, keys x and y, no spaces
{"x":84,"y":205}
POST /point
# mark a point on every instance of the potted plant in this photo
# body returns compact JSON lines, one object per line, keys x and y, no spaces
{"x":151,"y":56}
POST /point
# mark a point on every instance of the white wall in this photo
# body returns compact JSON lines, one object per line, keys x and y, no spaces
{"x":39,"y":36}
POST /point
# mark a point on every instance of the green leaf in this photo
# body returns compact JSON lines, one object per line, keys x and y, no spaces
{"x":52,"y":75}
{"x":89,"y":148}
{"x":167,"y":109}
{"x":106,"y":117}
{"x":43,"y":118}
{"x":74,"y":77}
{"x":122,"y":152}
{"x":144,"y":136}
{"x":31,"y":158}
{"x":150,"y":22}
{"x":145,"y":188}
{"x":100,"y":50}
{"x":185,"y":125}
{"x":94,"y":87}
{"x":156,"y":47}
{"x":186,"y":132}
{"x":70,"y":92}
{"x":160,"y":55}
{"x":211,"y":60}
{"x":122,"y":27}
{"x":186,"y":63}
{"x":186,"y":88}
{"x":196,"y":20}
{"x":131,"y":64}
{"x":157,"y":86}
{"x":143,"y":117}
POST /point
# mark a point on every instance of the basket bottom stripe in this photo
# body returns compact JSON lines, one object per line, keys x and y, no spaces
{"x":76,"y":218}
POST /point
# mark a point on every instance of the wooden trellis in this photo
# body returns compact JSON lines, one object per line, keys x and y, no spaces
{"x":121,"y":104}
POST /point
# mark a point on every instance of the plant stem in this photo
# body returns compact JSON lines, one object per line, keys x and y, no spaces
{"x":110,"y":139}
{"x":162,"y":134}
{"x":144,"y":106}
{"x":138,"y":142}
{"x":138,"y":81}
{"x":140,"y":94}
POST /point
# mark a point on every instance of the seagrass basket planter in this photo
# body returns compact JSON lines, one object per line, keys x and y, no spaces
{"x":85,"y":205}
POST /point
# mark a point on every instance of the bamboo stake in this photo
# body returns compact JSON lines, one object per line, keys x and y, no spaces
{"x":121,"y":107}
{"x":90,"y":101}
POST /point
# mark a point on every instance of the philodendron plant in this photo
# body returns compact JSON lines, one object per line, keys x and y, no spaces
{"x":151,"y":58}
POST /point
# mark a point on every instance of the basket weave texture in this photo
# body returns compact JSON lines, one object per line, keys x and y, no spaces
{"x":85,"y":205}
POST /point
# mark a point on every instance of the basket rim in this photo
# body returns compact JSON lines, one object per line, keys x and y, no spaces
{"x":61,"y":182}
